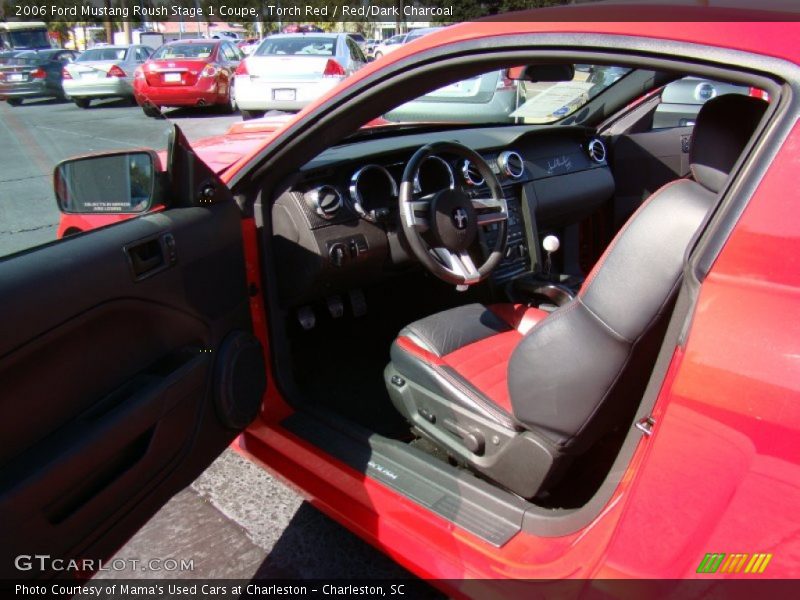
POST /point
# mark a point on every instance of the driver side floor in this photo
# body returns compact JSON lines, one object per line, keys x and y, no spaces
{"x":338,"y":365}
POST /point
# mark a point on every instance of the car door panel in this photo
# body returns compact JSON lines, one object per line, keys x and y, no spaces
{"x":108,"y":377}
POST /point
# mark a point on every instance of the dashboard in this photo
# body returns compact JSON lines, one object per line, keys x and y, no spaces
{"x":336,"y":224}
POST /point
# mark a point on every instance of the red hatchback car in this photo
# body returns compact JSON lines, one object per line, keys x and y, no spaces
{"x":385,"y":317}
{"x":188,"y":73}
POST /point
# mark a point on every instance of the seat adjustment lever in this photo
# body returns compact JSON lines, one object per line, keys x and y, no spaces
{"x":473,"y":440}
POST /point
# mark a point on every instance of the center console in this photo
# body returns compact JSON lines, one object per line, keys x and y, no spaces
{"x":517,"y":259}
{"x":523,"y":276}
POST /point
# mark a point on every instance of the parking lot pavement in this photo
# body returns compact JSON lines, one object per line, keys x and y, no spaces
{"x":238,"y":522}
{"x":36,"y":136}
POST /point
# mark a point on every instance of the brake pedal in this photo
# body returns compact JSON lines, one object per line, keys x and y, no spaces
{"x":306,"y":317}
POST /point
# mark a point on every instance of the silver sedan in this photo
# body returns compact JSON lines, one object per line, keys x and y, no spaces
{"x":286,"y":72}
{"x":104,"y":72}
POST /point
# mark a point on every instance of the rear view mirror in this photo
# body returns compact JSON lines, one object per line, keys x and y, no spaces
{"x":122,"y":182}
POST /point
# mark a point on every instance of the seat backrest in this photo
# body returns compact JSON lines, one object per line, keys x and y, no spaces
{"x":565,"y":377}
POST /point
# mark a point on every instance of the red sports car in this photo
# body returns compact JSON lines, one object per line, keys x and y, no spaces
{"x":188,"y":73}
{"x":562,"y":346}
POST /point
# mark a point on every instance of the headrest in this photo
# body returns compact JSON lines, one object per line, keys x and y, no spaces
{"x":724,"y":126}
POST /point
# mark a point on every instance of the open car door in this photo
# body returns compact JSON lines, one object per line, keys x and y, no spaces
{"x":127,"y":364}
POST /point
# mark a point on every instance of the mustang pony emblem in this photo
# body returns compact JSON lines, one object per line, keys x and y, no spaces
{"x":460,"y":218}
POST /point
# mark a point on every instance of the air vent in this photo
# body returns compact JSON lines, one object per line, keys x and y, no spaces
{"x":326,"y":200}
{"x":511,"y":164}
{"x":597,"y":151}
{"x":471,"y":174}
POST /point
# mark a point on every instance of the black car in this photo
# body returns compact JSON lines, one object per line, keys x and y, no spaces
{"x":33,"y":74}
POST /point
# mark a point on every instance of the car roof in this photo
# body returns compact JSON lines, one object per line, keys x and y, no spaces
{"x":112,"y":47}
{"x":44,"y":51}
{"x":755,"y":30}
{"x":19,"y":25}
{"x":306,"y":34}
{"x":194,"y":41}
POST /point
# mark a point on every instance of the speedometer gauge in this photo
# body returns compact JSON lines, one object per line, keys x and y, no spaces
{"x":434,"y":174}
{"x":373,"y":192}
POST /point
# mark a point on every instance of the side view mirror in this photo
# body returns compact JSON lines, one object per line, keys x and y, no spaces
{"x":119,"y":182}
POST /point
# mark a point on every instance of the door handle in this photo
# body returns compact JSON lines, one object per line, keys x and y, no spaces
{"x":149,"y":256}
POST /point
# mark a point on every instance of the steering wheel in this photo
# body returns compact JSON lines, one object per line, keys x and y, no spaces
{"x":441,"y":227}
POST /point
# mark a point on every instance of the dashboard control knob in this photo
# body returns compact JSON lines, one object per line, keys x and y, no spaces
{"x":338,"y":253}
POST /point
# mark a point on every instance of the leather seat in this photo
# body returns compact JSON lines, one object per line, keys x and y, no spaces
{"x":514,"y":392}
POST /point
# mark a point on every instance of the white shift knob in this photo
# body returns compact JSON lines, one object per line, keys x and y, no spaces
{"x":551,"y":243}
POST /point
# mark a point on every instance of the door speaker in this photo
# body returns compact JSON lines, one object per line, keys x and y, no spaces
{"x":240,"y":378}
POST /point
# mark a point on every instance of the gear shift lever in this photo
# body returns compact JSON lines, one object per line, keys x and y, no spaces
{"x":550,"y":244}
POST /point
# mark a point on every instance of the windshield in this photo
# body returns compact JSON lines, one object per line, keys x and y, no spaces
{"x":493,"y":98}
{"x":102,"y":54}
{"x":184,"y":51}
{"x":302,"y":45}
{"x":25,"y":38}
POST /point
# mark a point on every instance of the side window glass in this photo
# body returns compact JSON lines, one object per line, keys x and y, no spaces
{"x":102,"y":195}
{"x":356,"y":51}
